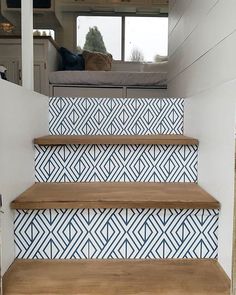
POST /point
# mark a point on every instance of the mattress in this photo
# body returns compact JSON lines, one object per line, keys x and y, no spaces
{"x":114,"y":78}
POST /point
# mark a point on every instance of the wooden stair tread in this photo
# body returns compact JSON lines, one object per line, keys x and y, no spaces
{"x":115,"y":139}
{"x":99,"y":277}
{"x":115,"y":195}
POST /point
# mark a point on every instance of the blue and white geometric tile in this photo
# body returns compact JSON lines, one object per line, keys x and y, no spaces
{"x":146,"y":163}
{"x":117,"y":116}
{"x":116,"y":233}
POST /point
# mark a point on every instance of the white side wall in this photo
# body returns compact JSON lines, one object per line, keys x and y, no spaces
{"x":66,"y":36}
{"x":23,"y":116}
{"x":202,"y":68}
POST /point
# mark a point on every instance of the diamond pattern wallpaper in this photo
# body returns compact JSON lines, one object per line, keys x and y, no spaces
{"x":106,"y":116}
{"x":133,"y":233}
{"x":116,"y":233}
{"x":147,"y":163}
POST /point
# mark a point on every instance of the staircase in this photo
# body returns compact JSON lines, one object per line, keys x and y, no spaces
{"x":116,"y":208}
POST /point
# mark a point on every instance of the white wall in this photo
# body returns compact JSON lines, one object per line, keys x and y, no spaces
{"x":66,"y":36}
{"x":23,"y":116}
{"x":202,"y":68}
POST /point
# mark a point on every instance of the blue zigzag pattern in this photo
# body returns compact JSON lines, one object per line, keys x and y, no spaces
{"x":146,"y":163}
{"x":118,"y":116}
{"x":116,"y":233}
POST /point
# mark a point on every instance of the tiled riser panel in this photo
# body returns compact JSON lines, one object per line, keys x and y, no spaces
{"x":116,"y":233}
{"x":116,"y":116}
{"x":146,"y":163}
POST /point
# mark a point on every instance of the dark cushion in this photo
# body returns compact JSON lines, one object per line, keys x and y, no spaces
{"x":36,"y":3}
{"x":71,"y":61}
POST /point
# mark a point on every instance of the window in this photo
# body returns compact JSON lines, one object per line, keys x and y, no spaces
{"x":99,"y":33}
{"x":145,"y":37}
{"x":128,"y":38}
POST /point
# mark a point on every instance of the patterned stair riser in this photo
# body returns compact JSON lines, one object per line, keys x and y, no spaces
{"x":116,"y":233}
{"x":145,"y":163}
{"x":121,"y":116}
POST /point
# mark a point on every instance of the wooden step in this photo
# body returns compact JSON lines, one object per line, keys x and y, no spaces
{"x":100,"y":277}
{"x":115,"y":195}
{"x":115,"y":139}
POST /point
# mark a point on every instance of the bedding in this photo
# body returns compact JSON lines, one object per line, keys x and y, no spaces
{"x":114,"y":78}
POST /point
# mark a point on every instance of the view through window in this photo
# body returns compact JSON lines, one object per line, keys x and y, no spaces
{"x":96,"y":32}
{"x":145,"y":38}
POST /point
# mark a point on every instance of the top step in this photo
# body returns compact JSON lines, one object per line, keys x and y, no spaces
{"x":116,"y":116}
{"x":116,"y":139}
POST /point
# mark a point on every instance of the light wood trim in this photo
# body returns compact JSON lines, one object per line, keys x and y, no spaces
{"x":100,"y":277}
{"x":115,"y":195}
{"x":115,"y":139}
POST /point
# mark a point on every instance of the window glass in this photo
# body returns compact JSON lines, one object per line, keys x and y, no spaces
{"x":146,"y":38}
{"x":99,"y":33}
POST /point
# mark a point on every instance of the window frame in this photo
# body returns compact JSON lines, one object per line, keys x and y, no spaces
{"x":122,"y":16}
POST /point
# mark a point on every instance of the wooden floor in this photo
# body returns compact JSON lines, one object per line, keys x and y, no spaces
{"x":110,"y":277}
{"x":115,"y":139}
{"x":115,"y":195}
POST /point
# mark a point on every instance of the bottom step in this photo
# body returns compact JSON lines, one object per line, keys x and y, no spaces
{"x":110,"y":277}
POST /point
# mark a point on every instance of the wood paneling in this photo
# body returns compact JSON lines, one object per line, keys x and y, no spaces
{"x":194,"y":14}
{"x":202,"y":69}
{"x":115,"y":139}
{"x":212,"y":70}
{"x":100,"y":277}
{"x":177,"y":12}
{"x":171,"y":5}
{"x":200,"y":41}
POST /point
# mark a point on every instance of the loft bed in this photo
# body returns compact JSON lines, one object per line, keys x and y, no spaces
{"x":124,"y":80}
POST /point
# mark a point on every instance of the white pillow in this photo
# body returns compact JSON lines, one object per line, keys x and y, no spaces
{"x":160,"y":67}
